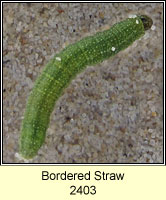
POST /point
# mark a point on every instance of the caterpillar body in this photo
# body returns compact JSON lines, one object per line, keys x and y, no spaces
{"x":63,"y":68}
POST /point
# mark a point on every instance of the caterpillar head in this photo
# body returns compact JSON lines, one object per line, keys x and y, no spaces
{"x":147,"y":21}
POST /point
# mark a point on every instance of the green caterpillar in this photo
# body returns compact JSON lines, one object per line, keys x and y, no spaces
{"x":64,"y":67}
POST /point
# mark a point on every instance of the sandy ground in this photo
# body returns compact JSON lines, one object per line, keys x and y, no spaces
{"x":111,"y":112}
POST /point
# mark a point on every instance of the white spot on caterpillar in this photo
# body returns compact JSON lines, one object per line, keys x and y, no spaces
{"x":153,"y":27}
{"x":58,"y":58}
{"x":113,"y":48}
{"x":132,"y":16}
{"x":137,"y":22}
